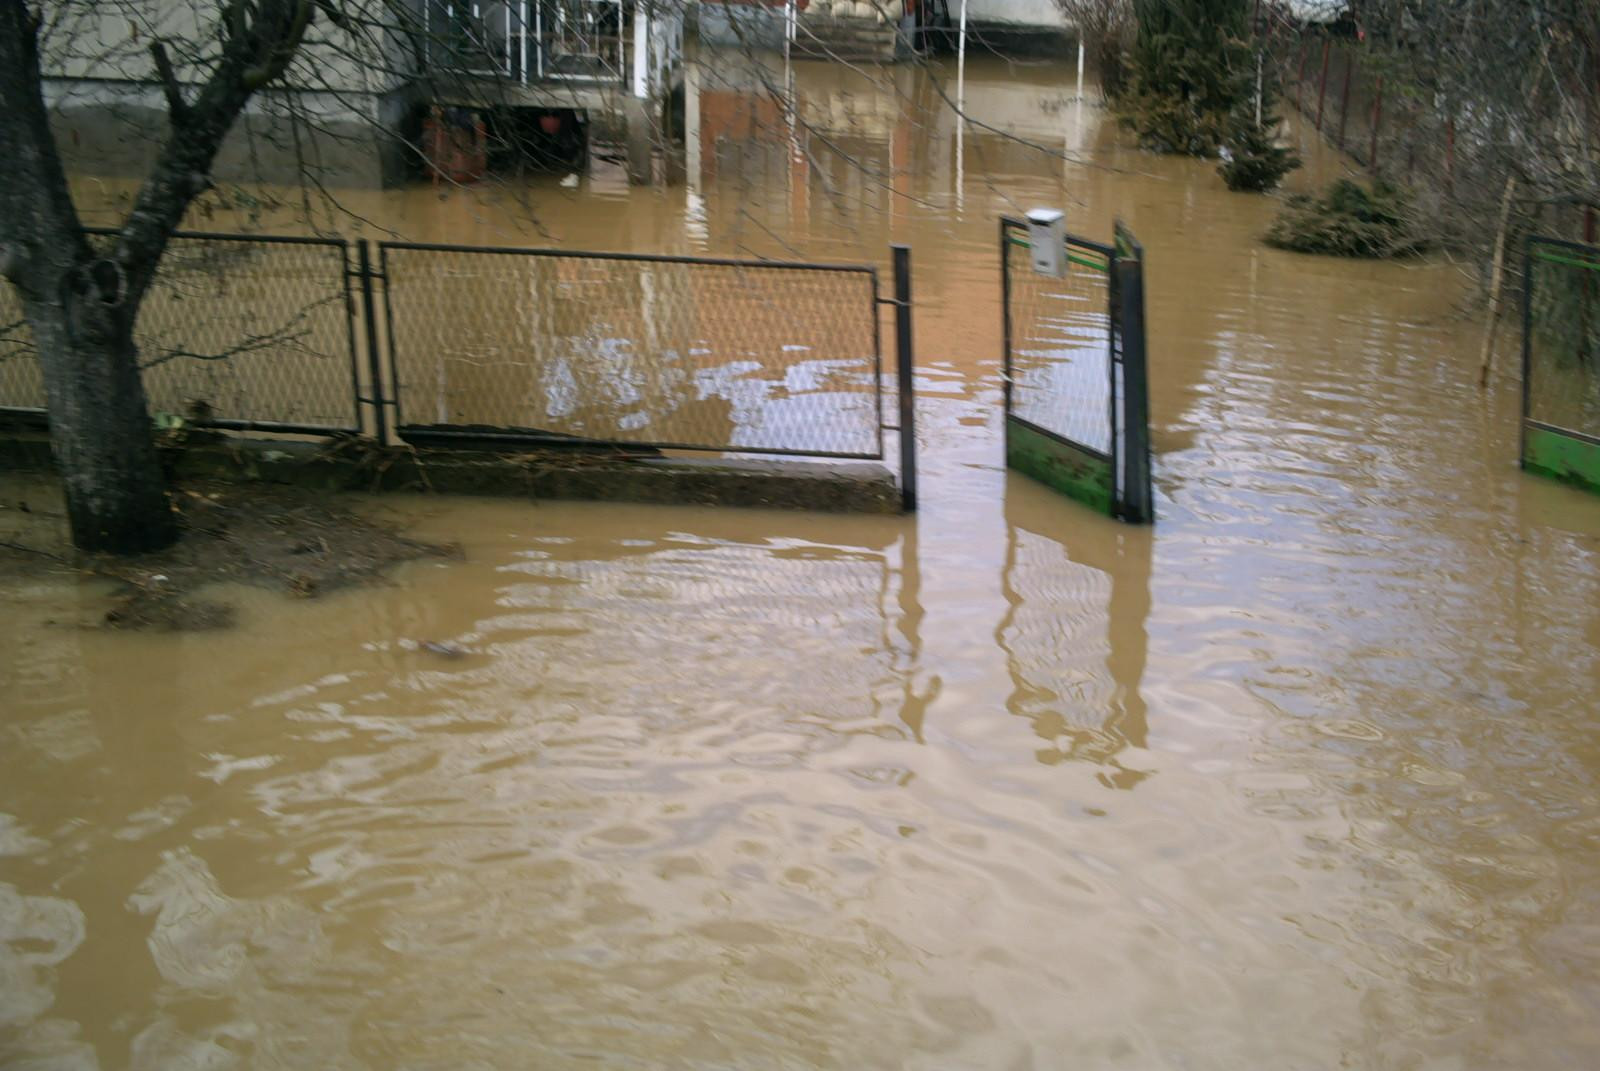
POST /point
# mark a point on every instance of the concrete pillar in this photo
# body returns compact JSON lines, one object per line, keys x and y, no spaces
{"x":640,"y":137}
{"x":636,"y":111}
{"x":691,"y":120}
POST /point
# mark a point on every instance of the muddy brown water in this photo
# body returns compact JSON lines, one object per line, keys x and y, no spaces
{"x":1306,"y":777}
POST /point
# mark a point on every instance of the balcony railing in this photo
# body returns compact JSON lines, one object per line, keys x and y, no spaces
{"x":561,"y":40}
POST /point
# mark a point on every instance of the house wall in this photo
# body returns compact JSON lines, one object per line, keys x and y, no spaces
{"x":334,"y":116}
{"x":1043,"y":14}
{"x":111,"y":42}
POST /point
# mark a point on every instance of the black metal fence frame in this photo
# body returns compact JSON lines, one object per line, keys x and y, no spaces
{"x":1127,"y":389}
{"x":447,"y":432}
{"x":381,"y":397}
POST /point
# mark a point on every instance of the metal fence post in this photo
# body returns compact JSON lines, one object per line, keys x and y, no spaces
{"x":1005,"y":316}
{"x":380,"y":417}
{"x":1322,"y":87}
{"x":1377,"y":122}
{"x":906,"y":388}
{"x":1527,"y":352}
{"x":1344,"y":97}
{"x":1116,"y":341}
{"x":1136,"y":505}
{"x":1300,"y":82}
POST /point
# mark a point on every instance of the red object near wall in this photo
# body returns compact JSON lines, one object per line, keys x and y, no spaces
{"x":455,"y":145}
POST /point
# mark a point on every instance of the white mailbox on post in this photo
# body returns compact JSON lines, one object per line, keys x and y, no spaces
{"x":1047,"y":236}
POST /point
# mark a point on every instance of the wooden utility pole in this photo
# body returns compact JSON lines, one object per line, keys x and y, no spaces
{"x":1497,"y":277}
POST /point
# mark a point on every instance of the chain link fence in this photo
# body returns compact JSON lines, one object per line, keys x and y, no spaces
{"x":511,"y":346}
{"x":1060,"y":343}
{"x":21,"y":383}
{"x":1444,"y":145}
{"x":236,"y":332}
{"x":666,"y":352}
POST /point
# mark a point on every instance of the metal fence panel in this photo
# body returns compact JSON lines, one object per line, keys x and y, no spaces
{"x":1561,"y":361}
{"x":236,"y":331}
{"x":1060,"y":343}
{"x":675,"y":352}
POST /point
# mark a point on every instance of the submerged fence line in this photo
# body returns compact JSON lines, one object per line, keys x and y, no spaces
{"x":467,"y":345}
{"x":1356,"y":99}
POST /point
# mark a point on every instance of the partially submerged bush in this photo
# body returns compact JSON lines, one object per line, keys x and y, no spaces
{"x":1347,"y":221}
{"x":1170,"y":124}
{"x":1189,"y":68}
{"x":1252,"y":159}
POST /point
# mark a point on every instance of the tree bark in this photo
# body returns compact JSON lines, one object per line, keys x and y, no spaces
{"x":82,"y":321}
{"x":100,"y":428}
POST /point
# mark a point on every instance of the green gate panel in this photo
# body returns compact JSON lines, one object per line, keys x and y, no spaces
{"x":1075,"y":472}
{"x":1564,"y":457}
{"x":1083,"y":438}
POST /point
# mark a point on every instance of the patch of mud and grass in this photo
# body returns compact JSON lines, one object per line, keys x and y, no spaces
{"x":289,"y":540}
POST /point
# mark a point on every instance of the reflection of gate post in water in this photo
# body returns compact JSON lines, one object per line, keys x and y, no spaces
{"x":1074,"y":377}
{"x":1074,"y":632}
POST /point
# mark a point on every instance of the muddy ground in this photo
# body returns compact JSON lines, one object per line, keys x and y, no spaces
{"x":299,"y":542}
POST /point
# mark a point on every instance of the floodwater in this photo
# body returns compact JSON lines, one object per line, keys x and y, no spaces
{"x":1307,"y":776}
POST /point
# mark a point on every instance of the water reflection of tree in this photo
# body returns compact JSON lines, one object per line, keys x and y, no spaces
{"x":1074,"y":630}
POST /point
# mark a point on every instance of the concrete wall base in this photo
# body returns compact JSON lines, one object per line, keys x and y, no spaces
{"x":353,"y":465}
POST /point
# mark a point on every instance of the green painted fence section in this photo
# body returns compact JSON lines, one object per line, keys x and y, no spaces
{"x":1554,"y":453}
{"x":1561,"y":362}
{"x":1072,"y":470}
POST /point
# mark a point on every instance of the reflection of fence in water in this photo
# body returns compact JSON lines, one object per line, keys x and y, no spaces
{"x":1563,"y":344}
{"x":680,"y":352}
{"x":1061,"y":346}
{"x":1057,"y":644}
{"x":790,"y":604}
{"x":247,"y":330}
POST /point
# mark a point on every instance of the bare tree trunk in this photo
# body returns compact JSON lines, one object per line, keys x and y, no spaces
{"x":82,"y":303}
{"x":100,"y":428}
{"x":81,"y":313}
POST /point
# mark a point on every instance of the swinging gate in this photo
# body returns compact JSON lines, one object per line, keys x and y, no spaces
{"x":1074,"y":379}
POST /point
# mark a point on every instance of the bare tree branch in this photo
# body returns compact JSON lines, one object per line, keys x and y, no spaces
{"x":177,"y":107}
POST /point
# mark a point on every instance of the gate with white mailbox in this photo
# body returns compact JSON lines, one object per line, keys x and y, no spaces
{"x":1074,"y":378}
